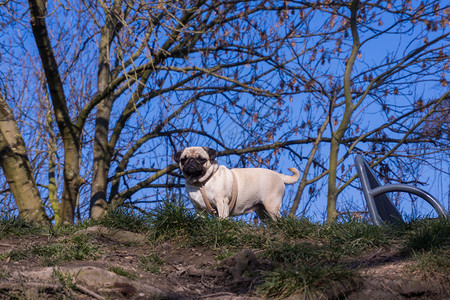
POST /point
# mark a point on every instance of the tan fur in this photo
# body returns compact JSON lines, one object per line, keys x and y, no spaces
{"x":260,"y":190}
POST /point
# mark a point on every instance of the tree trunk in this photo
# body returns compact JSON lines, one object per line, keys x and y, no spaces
{"x":52,"y":187}
{"x":17,"y":168}
{"x":102,"y":160}
{"x":102,"y":152}
{"x":332,"y":188}
{"x":346,"y":118}
{"x":70,"y":132}
{"x":72,"y":180}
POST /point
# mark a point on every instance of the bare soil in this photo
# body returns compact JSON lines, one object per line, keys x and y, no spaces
{"x":184,"y":272}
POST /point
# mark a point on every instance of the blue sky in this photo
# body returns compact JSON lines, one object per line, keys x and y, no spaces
{"x":231,"y":127}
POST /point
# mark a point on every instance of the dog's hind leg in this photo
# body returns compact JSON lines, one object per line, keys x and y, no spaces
{"x":265,"y":215}
{"x":272,"y":206}
{"x":262,"y":213}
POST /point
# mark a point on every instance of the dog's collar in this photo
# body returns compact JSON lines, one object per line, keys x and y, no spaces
{"x":200,"y":184}
{"x":209,"y":207}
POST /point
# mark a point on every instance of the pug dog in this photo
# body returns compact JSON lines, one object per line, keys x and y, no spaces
{"x":231,"y":192}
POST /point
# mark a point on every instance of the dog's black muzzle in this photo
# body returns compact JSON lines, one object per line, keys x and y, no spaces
{"x":193,"y":168}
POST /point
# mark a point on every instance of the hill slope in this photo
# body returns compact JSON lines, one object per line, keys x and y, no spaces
{"x":176,"y":255}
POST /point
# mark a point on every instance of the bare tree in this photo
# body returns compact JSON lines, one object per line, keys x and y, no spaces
{"x":127,"y":83}
{"x":17,"y":168}
{"x":361,"y":86}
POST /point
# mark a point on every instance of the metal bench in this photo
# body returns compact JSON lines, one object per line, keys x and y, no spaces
{"x":381,"y":208}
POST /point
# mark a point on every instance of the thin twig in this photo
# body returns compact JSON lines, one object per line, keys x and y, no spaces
{"x":88,"y":292}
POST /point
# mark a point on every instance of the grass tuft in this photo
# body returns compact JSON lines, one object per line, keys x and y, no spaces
{"x":353,"y":237}
{"x":76,"y":248}
{"x":429,"y":234}
{"x":307,"y":268}
{"x":126,"y":219}
{"x":215,"y":232}
{"x":300,"y":253}
{"x":65,"y":280}
{"x":296,"y":228}
{"x":171,"y":218}
{"x":152,"y":263}
{"x":122,"y":272}
{"x":310,"y":281}
{"x":14,"y":226}
{"x":432,"y":262}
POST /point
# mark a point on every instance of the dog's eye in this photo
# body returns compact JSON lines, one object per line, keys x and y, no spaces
{"x":202,"y":160}
{"x":183,"y":160}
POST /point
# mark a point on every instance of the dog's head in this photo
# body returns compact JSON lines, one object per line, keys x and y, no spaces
{"x":196,"y":163}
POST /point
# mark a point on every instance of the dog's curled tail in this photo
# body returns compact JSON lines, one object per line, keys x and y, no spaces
{"x":291,"y":179}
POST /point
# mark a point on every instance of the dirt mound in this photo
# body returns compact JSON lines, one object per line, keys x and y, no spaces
{"x":127,"y":265}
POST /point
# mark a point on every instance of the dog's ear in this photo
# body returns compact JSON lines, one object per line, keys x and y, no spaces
{"x":211,"y":153}
{"x":176,"y":157}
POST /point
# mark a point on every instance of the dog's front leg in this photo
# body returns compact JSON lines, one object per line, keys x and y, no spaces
{"x":222,"y":208}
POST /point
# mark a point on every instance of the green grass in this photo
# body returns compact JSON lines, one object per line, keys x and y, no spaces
{"x":173,"y":220}
{"x":296,"y":228}
{"x":126,"y":219}
{"x":436,"y":261}
{"x":308,"y":280}
{"x":65,"y":280}
{"x":151,"y":263}
{"x":427,"y":235}
{"x":354,"y":238}
{"x":122,"y":272}
{"x":428,"y":244}
{"x":309,"y":266}
{"x":290,"y":254}
{"x":170,"y":219}
{"x":300,"y":257}
{"x":76,"y":248}
{"x":12,"y":226}
{"x":217,"y":233}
